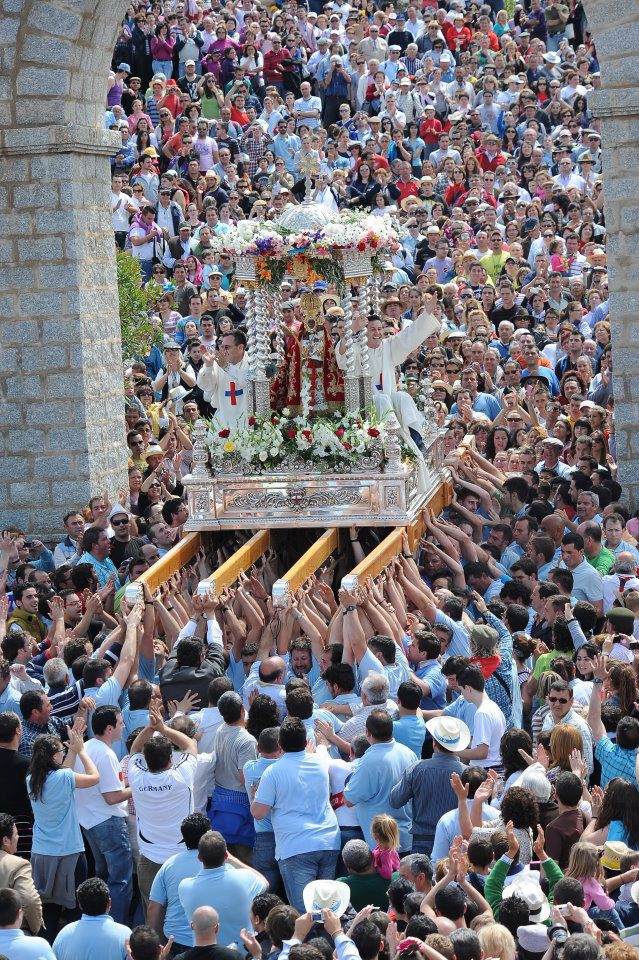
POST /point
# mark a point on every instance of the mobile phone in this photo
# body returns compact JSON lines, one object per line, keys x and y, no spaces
{"x":564,"y":909}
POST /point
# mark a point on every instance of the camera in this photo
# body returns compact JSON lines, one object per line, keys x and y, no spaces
{"x":133,"y":593}
{"x":316,"y":916}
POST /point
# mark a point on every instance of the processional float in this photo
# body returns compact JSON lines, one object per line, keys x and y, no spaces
{"x":313,"y":451}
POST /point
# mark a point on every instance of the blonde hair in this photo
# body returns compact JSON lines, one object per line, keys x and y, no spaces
{"x":385,"y":831}
{"x":584,"y":863}
{"x":564,"y":738}
{"x":481,"y":920}
{"x":497,"y":941}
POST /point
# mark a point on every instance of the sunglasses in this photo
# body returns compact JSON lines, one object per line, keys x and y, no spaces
{"x":154,"y":484}
{"x":120,"y":523}
{"x":557,"y":700}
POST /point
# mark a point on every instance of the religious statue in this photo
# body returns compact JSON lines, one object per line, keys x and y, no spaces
{"x":308,"y":380}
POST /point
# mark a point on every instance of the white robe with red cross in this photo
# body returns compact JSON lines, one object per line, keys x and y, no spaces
{"x":226,"y":388}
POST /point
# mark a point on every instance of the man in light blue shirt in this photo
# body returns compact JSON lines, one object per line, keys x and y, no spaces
{"x":95,"y":934}
{"x":410,"y":728}
{"x":97,"y":548}
{"x":382,"y":655}
{"x":13,"y":942}
{"x":371,"y":783}
{"x":224,"y":883}
{"x":9,"y":695}
{"x":423,"y":654}
{"x":165,"y":907}
{"x":104,"y":684}
{"x":269,"y":750}
{"x":448,"y":825}
{"x":587,"y":582}
{"x":285,"y":145}
{"x":295,"y":793}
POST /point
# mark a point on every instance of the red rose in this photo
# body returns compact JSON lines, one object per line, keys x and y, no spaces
{"x":340,"y":432}
{"x":307,"y":434}
{"x":346,"y":446}
{"x":251,"y":421}
{"x":224,"y":433}
{"x":372,"y":432}
{"x":361,"y":245}
{"x":274,"y":420}
{"x":291,"y":434}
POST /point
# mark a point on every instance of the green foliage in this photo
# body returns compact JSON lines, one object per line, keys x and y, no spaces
{"x":138,"y":333}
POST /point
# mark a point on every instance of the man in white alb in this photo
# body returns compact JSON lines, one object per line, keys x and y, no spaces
{"x":224,"y":380}
{"x":384,"y":356}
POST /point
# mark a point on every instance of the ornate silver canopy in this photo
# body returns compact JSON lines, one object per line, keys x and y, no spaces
{"x":307,"y":216}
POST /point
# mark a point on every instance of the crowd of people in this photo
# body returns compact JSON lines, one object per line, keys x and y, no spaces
{"x":442,"y":761}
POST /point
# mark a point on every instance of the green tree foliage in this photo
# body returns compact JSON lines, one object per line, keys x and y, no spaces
{"x":138,"y":333}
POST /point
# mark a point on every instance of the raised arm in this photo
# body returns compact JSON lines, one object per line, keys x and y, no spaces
{"x":594,"y":708}
{"x":129,"y":648}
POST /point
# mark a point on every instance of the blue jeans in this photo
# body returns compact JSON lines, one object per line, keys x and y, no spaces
{"x":111,"y":848}
{"x":422,"y":845}
{"x":553,"y":41}
{"x":346,"y":834}
{"x":264,"y":858}
{"x":163,"y":66}
{"x":301,"y":869}
{"x":595,"y":913}
{"x":146,"y":266}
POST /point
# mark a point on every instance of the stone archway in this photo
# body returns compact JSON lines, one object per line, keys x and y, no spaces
{"x":60,"y":363}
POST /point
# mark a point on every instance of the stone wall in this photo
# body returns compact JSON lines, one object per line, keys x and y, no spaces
{"x":60,"y":360}
{"x":60,"y":371}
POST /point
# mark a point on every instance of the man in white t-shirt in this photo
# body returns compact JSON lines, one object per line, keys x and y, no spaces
{"x":102,"y":811}
{"x":489,"y":724}
{"x":162,"y":789}
{"x":146,"y":241}
{"x":121,"y":207}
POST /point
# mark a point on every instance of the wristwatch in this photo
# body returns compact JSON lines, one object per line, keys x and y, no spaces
{"x":597,"y":680}
{"x":349,"y":608}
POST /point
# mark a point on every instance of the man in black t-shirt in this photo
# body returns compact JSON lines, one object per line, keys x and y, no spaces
{"x":205,"y":926}
{"x":123,"y":545}
{"x":13,"y":771}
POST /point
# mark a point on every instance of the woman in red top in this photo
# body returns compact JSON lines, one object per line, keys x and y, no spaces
{"x":457,"y":188}
{"x":430,"y":129}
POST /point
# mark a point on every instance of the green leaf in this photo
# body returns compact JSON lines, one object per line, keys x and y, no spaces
{"x":137,"y":331}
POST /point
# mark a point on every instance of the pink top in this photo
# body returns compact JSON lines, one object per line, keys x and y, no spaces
{"x":594,"y":893}
{"x":386,"y":862}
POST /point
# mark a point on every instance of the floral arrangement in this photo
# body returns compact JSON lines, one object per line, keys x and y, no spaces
{"x":267,"y":239}
{"x":313,"y":253}
{"x":329,"y":444}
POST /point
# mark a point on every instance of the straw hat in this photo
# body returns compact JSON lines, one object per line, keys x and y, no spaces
{"x":449,"y":732}
{"x":326,"y":895}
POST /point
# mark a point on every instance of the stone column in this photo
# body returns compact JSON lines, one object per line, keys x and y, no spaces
{"x":619,"y":112}
{"x":61,"y":374}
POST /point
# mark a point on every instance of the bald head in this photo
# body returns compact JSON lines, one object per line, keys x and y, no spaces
{"x":205,"y":924}
{"x":272,"y":670}
{"x":625,"y":563}
{"x":553,"y":526}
